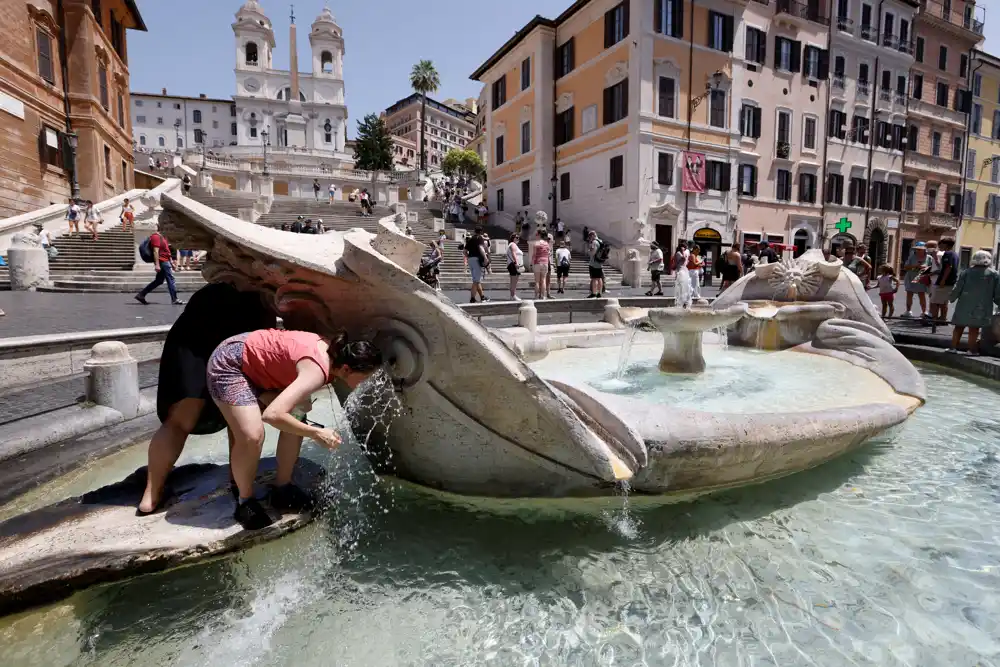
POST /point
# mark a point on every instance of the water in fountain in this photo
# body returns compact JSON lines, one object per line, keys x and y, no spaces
{"x":623,"y":353}
{"x":722,"y":337}
{"x":622,"y":521}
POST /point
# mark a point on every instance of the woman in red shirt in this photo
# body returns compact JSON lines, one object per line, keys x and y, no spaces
{"x":278,"y":369}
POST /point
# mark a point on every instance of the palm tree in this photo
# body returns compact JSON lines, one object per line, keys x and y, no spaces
{"x":424,"y":79}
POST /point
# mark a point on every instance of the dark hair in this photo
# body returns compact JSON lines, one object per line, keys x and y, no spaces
{"x":947,"y":242}
{"x":512,"y":239}
{"x":360,"y":356}
{"x":886,"y":269}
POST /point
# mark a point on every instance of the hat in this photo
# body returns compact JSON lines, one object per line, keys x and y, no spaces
{"x":919,"y":244}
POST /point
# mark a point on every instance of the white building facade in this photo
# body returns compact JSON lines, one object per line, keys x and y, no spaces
{"x":165,"y":123}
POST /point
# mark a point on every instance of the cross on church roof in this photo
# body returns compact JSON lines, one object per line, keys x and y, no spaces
{"x":293,"y":13}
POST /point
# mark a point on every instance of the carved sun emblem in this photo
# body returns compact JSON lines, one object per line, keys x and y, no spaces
{"x":795,"y":279}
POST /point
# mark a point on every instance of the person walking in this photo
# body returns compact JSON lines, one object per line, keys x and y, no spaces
{"x":127,"y":216}
{"x":93,"y":220}
{"x":316,"y":188}
{"x":945,"y":280}
{"x":695,"y":265}
{"x":914,"y":282}
{"x":732,"y":267}
{"x":976,"y":292}
{"x":540,"y":253}
{"x":655,"y":267}
{"x":163,"y":262}
{"x":595,"y":265}
{"x":476,"y":257}
{"x":564,"y":260}
{"x":682,"y":277}
{"x":887,"y":288}
{"x":515,"y":265}
{"x":186,"y":184}
{"x":857,"y":265}
{"x":73,"y":214}
{"x":333,"y":192}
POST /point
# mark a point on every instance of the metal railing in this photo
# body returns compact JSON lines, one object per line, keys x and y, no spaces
{"x":783,"y":149}
{"x":809,"y":11}
{"x":839,"y":82}
{"x":863,"y":88}
{"x":943,"y":12}
{"x":845,"y":24}
{"x":869,"y":33}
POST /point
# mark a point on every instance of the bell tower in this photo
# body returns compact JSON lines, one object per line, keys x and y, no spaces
{"x":327,"y":41}
{"x":254,"y":38}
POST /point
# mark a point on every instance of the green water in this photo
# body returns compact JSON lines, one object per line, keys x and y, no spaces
{"x":889,"y":556}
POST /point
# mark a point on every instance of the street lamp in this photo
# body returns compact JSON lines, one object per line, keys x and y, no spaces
{"x":177,"y":131}
{"x":264,"y":141}
{"x":72,"y":140}
{"x":714,"y":84}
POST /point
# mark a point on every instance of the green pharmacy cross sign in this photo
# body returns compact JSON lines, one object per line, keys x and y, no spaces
{"x":843,"y":225}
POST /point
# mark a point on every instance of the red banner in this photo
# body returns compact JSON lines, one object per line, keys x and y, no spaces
{"x":693,"y":172}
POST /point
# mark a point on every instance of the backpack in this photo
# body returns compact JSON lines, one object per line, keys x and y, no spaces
{"x":603,"y":251}
{"x":146,"y":250}
{"x":564,"y":261}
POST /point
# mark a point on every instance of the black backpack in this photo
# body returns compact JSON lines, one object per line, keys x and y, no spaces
{"x":603,"y":251}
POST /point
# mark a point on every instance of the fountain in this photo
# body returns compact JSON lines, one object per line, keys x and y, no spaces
{"x":683,"y":330}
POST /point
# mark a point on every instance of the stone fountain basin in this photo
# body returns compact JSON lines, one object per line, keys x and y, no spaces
{"x":777,"y":325}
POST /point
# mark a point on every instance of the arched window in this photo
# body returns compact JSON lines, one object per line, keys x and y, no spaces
{"x":326,"y":62}
{"x":162,"y":142}
{"x":180,"y":142}
{"x":251,"y":53}
{"x":142,"y":139}
{"x":328,"y":132}
{"x":801,"y":241}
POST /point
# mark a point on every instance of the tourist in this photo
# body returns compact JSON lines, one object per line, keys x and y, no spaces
{"x":945,"y":280}
{"x":515,"y":265}
{"x":281,"y":370}
{"x":913,"y":280}
{"x":540,"y":252}
{"x":298,"y":225}
{"x":73,"y":216}
{"x":430,"y":266}
{"x":152,"y":163}
{"x":929,"y":275}
{"x":216,"y":312}
{"x":564,"y":261}
{"x":732,"y":267}
{"x":92,"y":220}
{"x":184,"y":258}
{"x":488,"y":269}
{"x":320,"y":229}
{"x":977,"y":291}
{"x":284,"y":226}
{"x":887,"y":288}
{"x":655,"y":268}
{"x":164,"y":264}
{"x":856,"y":265}
{"x":316,"y":188}
{"x":682,"y":277}
{"x":186,"y":183}
{"x":766,"y":253}
{"x":695,"y":266}
{"x":477,"y":258}
{"x":333,"y":192}
{"x":409,"y":231}
{"x":560,"y":228}
{"x":595,"y":265}
{"x":309,"y":227}
{"x":127,"y":216}
{"x":442,"y":240}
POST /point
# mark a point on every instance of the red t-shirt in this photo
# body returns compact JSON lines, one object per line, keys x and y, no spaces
{"x":270,"y":356}
{"x":159,"y":243}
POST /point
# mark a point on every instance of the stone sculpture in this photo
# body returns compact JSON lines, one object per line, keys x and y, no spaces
{"x":29,"y":262}
{"x":477,"y":420}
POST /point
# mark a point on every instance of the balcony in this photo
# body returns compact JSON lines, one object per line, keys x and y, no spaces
{"x":940,"y":15}
{"x":801,"y":12}
{"x":863,"y":89}
{"x":839,"y":82}
{"x":783,"y":150}
{"x":936,"y":113}
{"x":937,"y":221}
{"x":845,"y":24}
{"x":934,"y":165}
{"x":869,"y":33}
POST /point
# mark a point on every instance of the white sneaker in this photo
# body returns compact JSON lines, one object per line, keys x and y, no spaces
{"x":908,"y":314}
{"x":516,"y":298}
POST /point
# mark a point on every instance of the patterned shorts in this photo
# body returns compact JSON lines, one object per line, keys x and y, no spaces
{"x":226,"y":381}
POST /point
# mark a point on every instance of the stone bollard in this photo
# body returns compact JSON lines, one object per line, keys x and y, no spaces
{"x":29,"y":262}
{"x":612,"y":312}
{"x":632,"y":272}
{"x":206,"y":182}
{"x":113,"y":378}
{"x":527,"y":316}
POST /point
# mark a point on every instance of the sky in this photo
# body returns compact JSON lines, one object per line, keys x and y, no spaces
{"x":189,"y":48}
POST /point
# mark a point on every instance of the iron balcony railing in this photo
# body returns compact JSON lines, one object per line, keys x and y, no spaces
{"x":845,"y":24}
{"x":810,"y":11}
{"x":869,"y":33}
{"x":943,"y":12}
{"x":784,"y":149}
{"x":863,"y":88}
{"x":838,"y":81}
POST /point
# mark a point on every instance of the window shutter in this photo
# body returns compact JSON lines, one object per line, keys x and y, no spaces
{"x":970,"y":164}
{"x":678,"y":14}
{"x":609,"y":28}
{"x":762,"y":49}
{"x":624,"y":85}
{"x":727,"y":176}
{"x":753,"y":181}
{"x":572,"y":54}
{"x":658,"y":15}
{"x":824,"y":64}
{"x":711,"y":26}
{"x":777,"y":51}
{"x":727,"y":33}
{"x":918,"y":87}
{"x":607,"y":106}
{"x":796,"y":56}
{"x":756,"y":123}
{"x":805,"y":62}
{"x":627,"y":14}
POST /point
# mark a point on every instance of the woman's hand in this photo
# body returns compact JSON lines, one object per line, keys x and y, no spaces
{"x":328,"y":438}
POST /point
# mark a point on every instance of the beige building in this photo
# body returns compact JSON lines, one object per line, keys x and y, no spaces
{"x":64,"y":101}
{"x":450,"y":124}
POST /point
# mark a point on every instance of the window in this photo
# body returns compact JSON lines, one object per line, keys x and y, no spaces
{"x":837,"y":120}
{"x":500,"y":199}
{"x":756,"y":45}
{"x":616,"y":102}
{"x":616,"y":24}
{"x":251,"y":50}
{"x":232,"y":111}
{"x":46,"y":69}
{"x":943,"y":58}
{"x":911,"y":194}
{"x":138,"y":103}
{"x":121,"y":110}
{"x":434,"y":144}
{"x":199,"y":136}
{"x":565,"y":58}
{"x":564,"y":188}
{"x":995,"y":175}
{"x":963,"y":65}
{"x":977,"y":118}
{"x":783,"y":190}
{"x":668,"y":17}
{"x":807,"y":188}
{"x":932,"y":199}
{"x":717,"y":109}
{"x":996,"y":125}
{"x":920,"y":50}
{"x":525,"y":137}
{"x":177,"y":105}
{"x":142,"y":139}
{"x":901,"y":85}
{"x":970,"y":203}
{"x":857,"y":193}
{"x":942,"y":94}
{"x":159,"y":120}
{"x":665,"y":168}
{"x":866,"y":23}
{"x":107,"y":162}
{"x":526,"y":74}
{"x":784,"y":132}
{"x":499,"y":92}
{"x":977,"y":85}
{"x":50,"y":145}
{"x":787,"y":54}
{"x":970,"y":164}
{"x":196,"y":116}
{"x":95,"y":6}
{"x":888,"y":23}
{"x":863,"y":73}
{"x":162,"y":142}
{"x":750,"y":121}
{"x":717,"y":175}
{"x":811,"y":66}
{"x":668,"y":97}
{"x":525,"y":193}
{"x":564,"y":126}
{"x":215,"y":125}
{"x":895,"y":197}
{"x":617,"y":166}
{"x":918,"y":86}
{"x":326,"y":62}
{"x":499,"y":150}
{"x":936,"y":144}
{"x":809,"y":133}
{"x":159,"y":105}
{"x":232,"y":129}
{"x":102,"y":82}
{"x":748,"y":180}
{"x":911,"y":138}
{"x":993,"y":207}
{"x":956,"y":148}
{"x":141,"y":120}
{"x":839,"y":66}
{"x":898,"y":137}
{"x":720,"y":31}
{"x":886,"y":80}
{"x":883,"y":136}
{"x":835,"y":188}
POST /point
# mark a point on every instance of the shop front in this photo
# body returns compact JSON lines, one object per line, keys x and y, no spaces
{"x":710,"y":242}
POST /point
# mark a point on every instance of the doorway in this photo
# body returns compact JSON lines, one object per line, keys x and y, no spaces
{"x":801,"y":242}
{"x":710,"y":243}
{"x":877,"y":247}
{"x":665,"y":239}
{"x":904,"y":253}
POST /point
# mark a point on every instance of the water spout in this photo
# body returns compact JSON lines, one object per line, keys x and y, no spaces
{"x":625,"y":350}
